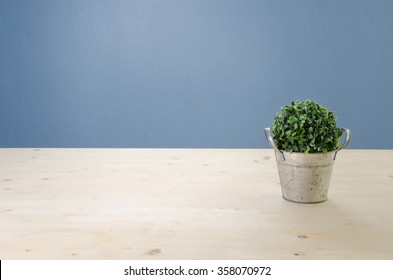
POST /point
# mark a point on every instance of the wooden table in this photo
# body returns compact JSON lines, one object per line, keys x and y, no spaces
{"x":188,"y":204}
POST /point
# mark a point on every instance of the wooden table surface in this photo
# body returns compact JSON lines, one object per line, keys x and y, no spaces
{"x":188,"y":204}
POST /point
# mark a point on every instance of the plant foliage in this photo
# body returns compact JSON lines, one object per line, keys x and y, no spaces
{"x":305,"y":127}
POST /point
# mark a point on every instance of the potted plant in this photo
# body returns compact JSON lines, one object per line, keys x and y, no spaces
{"x":305,"y":139}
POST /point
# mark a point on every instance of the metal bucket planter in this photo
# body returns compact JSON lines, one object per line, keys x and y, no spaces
{"x":305,"y":178}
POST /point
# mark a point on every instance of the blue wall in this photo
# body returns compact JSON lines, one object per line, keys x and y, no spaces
{"x":198,"y":73}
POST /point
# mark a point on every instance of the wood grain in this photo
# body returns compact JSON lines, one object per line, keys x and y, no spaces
{"x":188,"y":204}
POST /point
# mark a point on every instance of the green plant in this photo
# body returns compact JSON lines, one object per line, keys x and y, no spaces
{"x":305,"y":127}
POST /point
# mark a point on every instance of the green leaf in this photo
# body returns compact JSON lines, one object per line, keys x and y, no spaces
{"x":305,"y":126}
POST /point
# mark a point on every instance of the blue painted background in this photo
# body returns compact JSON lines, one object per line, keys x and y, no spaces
{"x":198,"y":73}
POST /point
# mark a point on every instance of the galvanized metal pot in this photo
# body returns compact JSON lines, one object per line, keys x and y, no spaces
{"x":305,"y":178}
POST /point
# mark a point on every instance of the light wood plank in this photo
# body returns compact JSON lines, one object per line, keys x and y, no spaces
{"x":188,"y":204}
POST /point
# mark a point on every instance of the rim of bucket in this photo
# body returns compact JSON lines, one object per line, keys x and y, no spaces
{"x":270,"y":139}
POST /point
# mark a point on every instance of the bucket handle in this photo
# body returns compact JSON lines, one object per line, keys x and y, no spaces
{"x":346,"y":141}
{"x":269,"y":138}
